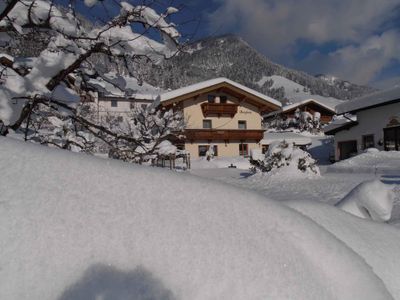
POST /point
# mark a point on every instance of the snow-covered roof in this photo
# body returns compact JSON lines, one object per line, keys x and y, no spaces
{"x":288,"y":136}
{"x":124,"y":86}
{"x":340,"y":124}
{"x":369,"y":101}
{"x":7,"y":56}
{"x":209,"y":83}
{"x":306,"y":101}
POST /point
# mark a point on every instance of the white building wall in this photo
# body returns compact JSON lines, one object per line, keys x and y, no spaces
{"x":370,"y":121}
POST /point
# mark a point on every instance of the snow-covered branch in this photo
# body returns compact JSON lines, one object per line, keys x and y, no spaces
{"x":69,"y":46}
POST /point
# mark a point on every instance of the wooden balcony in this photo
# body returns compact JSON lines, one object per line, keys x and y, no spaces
{"x":219,"y":109}
{"x":223,"y":135}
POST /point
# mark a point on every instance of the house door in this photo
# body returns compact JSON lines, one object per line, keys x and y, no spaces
{"x":391,"y":138}
{"x":347,"y":149}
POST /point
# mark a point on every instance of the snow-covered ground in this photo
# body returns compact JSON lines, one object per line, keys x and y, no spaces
{"x":336,"y":181}
{"x":221,"y":162}
{"x":74,"y":226}
{"x":372,"y":161}
{"x":295,"y":92}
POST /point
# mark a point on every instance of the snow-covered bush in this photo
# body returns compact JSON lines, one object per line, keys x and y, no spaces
{"x":256,"y":154}
{"x":51,"y":127}
{"x":369,"y":200}
{"x":138,"y":136}
{"x":282,"y":155}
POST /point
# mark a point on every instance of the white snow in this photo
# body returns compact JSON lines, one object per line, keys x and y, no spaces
{"x":287,"y":164}
{"x":238,"y":162}
{"x":377,"y":243}
{"x":339,"y":122}
{"x":79,"y":227}
{"x":257,"y":154}
{"x":288,"y":136}
{"x":371,"y":161}
{"x":377,"y":98}
{"x":209,"y":83}
{"x":369,"y":200}
{"x":7,"y":56}
{"x":112,"y":84}
{"x":306,"y":101}
{"x":166,"y":148}
{"x":295,"y":92}
{"x":90,"y":3}
{"x":67,"y":41}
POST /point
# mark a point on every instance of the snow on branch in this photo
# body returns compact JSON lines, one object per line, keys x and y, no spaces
{"x":70,"y":45}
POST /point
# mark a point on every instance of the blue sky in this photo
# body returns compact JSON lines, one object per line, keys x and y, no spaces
{"x":357,"y":40}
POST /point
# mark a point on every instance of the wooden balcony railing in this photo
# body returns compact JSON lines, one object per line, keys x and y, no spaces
{"x":224,"y":135}
{"x":219,"y":109}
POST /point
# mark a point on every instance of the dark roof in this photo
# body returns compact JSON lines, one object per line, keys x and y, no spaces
{"x":373,"y":100}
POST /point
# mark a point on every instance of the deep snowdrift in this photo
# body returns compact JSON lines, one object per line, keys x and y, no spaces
{"x":79,"y":227}
{"x":378,"y":244}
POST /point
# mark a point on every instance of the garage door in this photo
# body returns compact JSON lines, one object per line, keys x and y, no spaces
{"x":347,"y":149}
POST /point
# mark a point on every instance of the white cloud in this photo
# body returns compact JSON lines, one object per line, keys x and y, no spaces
{"x":360,"y":63}
{"x":275,"y":26}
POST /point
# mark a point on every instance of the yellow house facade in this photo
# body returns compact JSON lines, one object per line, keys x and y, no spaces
{"x":222,"y":114}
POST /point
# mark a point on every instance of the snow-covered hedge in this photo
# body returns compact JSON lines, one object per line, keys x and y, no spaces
{"x":283,"y":155}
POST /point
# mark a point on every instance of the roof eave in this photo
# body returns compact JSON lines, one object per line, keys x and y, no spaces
{"x":346,"y":126}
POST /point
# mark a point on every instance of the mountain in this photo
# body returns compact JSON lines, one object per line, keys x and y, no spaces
{"x":230,"y":56}
{"x":341,"y":84}
{"x":225,"y":56}
{"x":295,"y":92}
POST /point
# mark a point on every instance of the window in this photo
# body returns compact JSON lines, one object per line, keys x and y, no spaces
{"x":207,"y":124}
{"x":114,"y":103}
{"x":243,"y":150}
{"x":368,"y":141}
{"x":211,"y":98}
{"x":223,"y":99}
{"x":242,"y":124}
{"x":264,"y":149}
{"x":204,"y":148}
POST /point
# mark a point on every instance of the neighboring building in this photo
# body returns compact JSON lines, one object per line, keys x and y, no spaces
{"x":220,"y":113}
{"x":122,"y":105}
{"x":309,"y":105}
{"x":377,"y":124}
{"x":120,"y":101}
